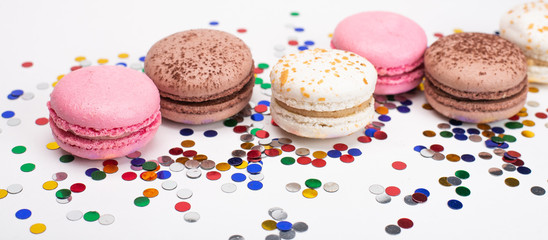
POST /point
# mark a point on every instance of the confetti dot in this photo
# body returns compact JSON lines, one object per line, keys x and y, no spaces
{"x":27,"y":167}
{"x":18,"y":149}
{"x":3,"y":193}
{"x":50,"y":185}
{"x":91,"y":216}
{"x":241,"y":30}
{"x":141,"y":201}
{"x":41,"y":121}
{"x":186,"y":132}
{"x":347,"y":158}
{"x":23,"y":214}
{"x":310,"y":193}
{"x":511,"y":182}
{"x":213,"y":175}
{"x":405,"y":223}
{"x":27,"y":64}
{"x":454,"y":204}
{"x":78,"y":187}
{"x":8,"y":114}
{"x":52,"y":146}
{"x":210,"y":133}
{"x":102,"y":61}
{"x":319,"y":163}
{"x":399,"y":165}
{"x":255,"y":185}
{"x":392,"y":191}
{"x":38,"y":228}
{"x":528,"y":134}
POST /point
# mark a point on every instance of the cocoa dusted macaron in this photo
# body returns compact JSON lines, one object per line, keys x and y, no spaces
{"x":475,"y":77}
{"x":203,"y":75}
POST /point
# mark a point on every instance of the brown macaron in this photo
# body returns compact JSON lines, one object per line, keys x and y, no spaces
{"x":203,"y":75}
{"x":475,"y":77}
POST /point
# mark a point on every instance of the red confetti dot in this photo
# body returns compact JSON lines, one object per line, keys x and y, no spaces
{"x":436,"y":148}
{"x":380,"y":135}
{"x":293,"y":43}
{"x":176,"y":151}
{"x":514,"y":154}
{"x":364,"y":139}
{"x":392,"y":191}
{"x":258,"y":71}
{"x":253,"y":159}
{"x":304,"y":160}
{"x":110,"y":162}
{"x":262,"y":134}
{"x":241,"y":30}
{"x":319,"y":163}
{"x":519,"y":163}
{"x":347,"y":158}
{"x":514,"y":118}
{"x":129,"y":176}
{"x":261,"y":108}
{"x":340,"y":147}
{"x":273,"y":123}
{"x":438,"y":35}
{"x":27,"y":64}
{"x":272,"y":152}
{"x":189,"y":153}
{"x":41,"y":121}
{"x":399,"y":165}
{"x":254,"y":154}
{"x":508,"y":160}
{"x":240,"y":129}
{"x":74,"y":68}
{"x":213,"y":175}
{"x":182,"y":206}
{"x":78,"y":187}
{"x":405,"y":223}
{"x":419,"y":197}
{"x":541,"y":115}
{"x":288,"y":148}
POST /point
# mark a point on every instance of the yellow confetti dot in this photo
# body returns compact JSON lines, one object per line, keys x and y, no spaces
{"x":457,"y":30}
{"x":150,"y":192}
{"x":188,"y":143}
{"x":487,"y":133}
{"x":533,"y":89}
{"x":528,"y":134}
{"x":80,"y":58}
{"x":54,"y":83}
{"x":60,"y":76}
{"x":247,"y":145}
{"x":427,"y":106}
{"x":421,"y":86}
{"x":102,"y":61}
{"x":123,"y":55}
{"x":382,"y":110}
{"x":38,"y":228}
{"x":310,"y":193}
{"x":528,"y":123}
{"x":50,"y":185}
{"x":484,"y":126}
{"x":242,"y":166}
{"x":222,"y":166}
{"x":330,"y":35}
{"x":269,"y":225}
{"x":110,"y":169}
{"x":319,"y":154}
{"x":52,"y":146}
{"x":3,"y":193}
{"x":453,"y":157}
{"x":182,"y":160}
{"x":522,"y":114}
{"x":429,"y":133}
{"x":200,"y":157}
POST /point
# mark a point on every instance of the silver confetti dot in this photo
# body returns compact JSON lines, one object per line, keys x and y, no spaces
{"x":64,"y":201}
{"x":42,"y":86}
{"x":331,"y":187}
{"x":383,"y":198}
{"x":247,"y":137}
{"x":302,"y":151}
{"x":74,"y":215}
{"x":485,"y":155}
{"x":236,"y":237}
{"x":300,"y":227}
{"x":169,"y":185}
{"x":499,"y":151}
{"x":27,"y":96}
{"x":14,"y":121}
{"x":136,"y":65}
{"x":272,"y":237}
{"x":539,"y":191}
{"x":191,"y":164}
{"x":265,"y":141}
{"x":409,"y":200}
{"x":176,"y":167}
{"x":256,"y":177}
{"x":509,"y":167}
{"x":444,"y":126}
{"x":293,"y":187}
{"x":427,"y":153}
{"x":288,"y":234}
{"x":376,"y":189}
{"x":238,"y":153}
{"x":392,"y":229}
{"x":272,"y":209}
{"x":495,"y":171}
{"x":106,"y":219}
{"x":194,"y":173}
{"x":165,"y":160}
{"x":207,"y":164}
{"x":60,"y":176}
{"x":229,"y":187}
{"x":455,"y":181}
{"x":191,"y":217}
{"x":533,"y":104}
{"x":475,"y":138}
{"x":14,"y":188}
{"x":85,"y":63}
{"x":279,"y":215}
{"x":284,"y":141}
{"x":184,"y":193}
{"x":438,"y":156}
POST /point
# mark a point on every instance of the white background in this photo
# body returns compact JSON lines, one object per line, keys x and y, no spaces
{"x":52,"y":33}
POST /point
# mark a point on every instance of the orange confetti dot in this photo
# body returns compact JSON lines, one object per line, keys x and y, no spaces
{"x":150,"y":192}
{"x":110,"y":169}
{"x":382,"y":110}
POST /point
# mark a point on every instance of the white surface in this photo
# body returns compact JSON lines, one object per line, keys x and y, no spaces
{"x":51,"y":34}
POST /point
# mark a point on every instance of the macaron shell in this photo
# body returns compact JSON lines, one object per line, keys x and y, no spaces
{"x":313,"y":127}
{"x":526,"y":25}
{"x":386,"y":39}
{"x":387,"y":85}
{"x":105,"y":97}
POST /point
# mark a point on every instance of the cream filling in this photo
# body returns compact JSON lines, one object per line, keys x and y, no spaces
{"x":328,"y":114}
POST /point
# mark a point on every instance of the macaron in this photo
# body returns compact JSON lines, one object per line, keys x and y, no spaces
{"x":103,"y":112}
{"x":393,"y":43}
{"x":322,"y":93}
{"x":475,"y":77}
{"x":526,"y":25}
{"x":203,"y":75}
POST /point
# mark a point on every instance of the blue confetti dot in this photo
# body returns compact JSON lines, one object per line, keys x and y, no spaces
{"x":455,"y":122}
{"x":354,"y":152}
{"x":473,"y":131}
{"x":264,"y":102}
{"x":384,"y":118}
{"x":254,"y":168}
{"x":90,"y":171}
{"x":254,"y":185}
{"x":497,"y":33}
{"x":403,"y":109}
{"x":309,"y":43}
{"x":407,"y":102}
{"x":23,"y":213}
{"x":302,"y":48}
{"x":257,"y":117}
{"x":235,"y":161}
{"x":418,"y":148}
{"x":17,"y":93}
{"x":490,"y":144}
{"x":8,"y":114}
{"x":334,"y":153}
{"x":370,"y":132}
{"x":524,"y":170}
{"x":423,"y":191}
{"x":238,"y":177}
{"x":468,"y":158}
{"x":11,"y":97}
{"x":299,"y":29}
{"x":458,"y":131}
{"x":461,"y":137}
{"x":186,"y":132}
{"x":137,"y":162}
{"x":213,"y":23}
{"x":142,"y":59}
{"x":454,"y":204}
{"x":284,"y":225}
{"x":210,"y":133}
{"x":121,"y":64}
{"x":498,"y":130}
{"x":504,"y":146}
{"x":164,"y":174}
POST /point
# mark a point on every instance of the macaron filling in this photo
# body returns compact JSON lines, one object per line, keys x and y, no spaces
{"x":328,"y":114}
{"x":536,"y":62}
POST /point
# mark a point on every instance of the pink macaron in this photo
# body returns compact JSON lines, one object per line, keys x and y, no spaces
{"x":103,"y":112}
{"x":394,"y":44}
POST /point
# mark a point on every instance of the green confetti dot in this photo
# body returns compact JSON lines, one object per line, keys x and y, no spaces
{"x":28,"y":167}
{"x":513,"y":125}
{"x":63,"y":193}
{"x":263,"y":66}
{"x":98,"y":175}
{"x":496,"y":139}
{"x":509,"y":138}
{"x":462,"y":174}
{"x":288,"y":161}
{"x":313,"y":183}
{"x":231,"y":122}
{"x":295,"y":14}
{"x":254,"y":131}
{"x":462,"y":191}
{"x":150,"y":166}
{"x":266,"y":85}
{"x":18,"y":149}
{"x":66,"y":158}
{"x":141,"y":201}
{"x":446,"y":134}
{"x":91,"y":216}
{"x":258,"y":81}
